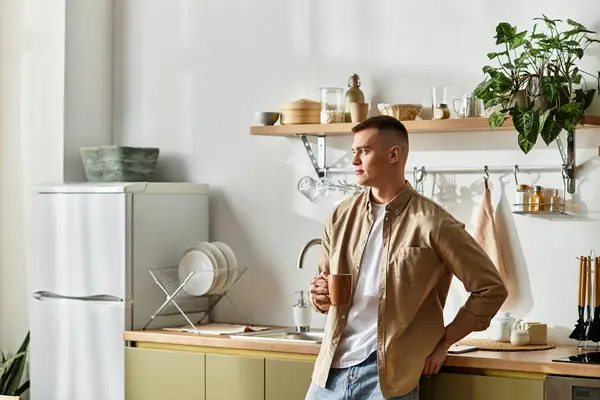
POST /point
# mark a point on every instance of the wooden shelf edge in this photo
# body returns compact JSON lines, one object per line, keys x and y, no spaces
{"x":418,"y":126}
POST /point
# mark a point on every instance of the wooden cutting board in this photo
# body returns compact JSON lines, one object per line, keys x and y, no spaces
{"x":494,"y":345}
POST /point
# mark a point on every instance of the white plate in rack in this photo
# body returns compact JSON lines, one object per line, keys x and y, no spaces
{"x":231,"y":263}
{"x":196,"y":260}
{"x":221,"y":267}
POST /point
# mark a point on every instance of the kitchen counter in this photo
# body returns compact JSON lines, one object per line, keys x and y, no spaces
{"x":532,"y":362}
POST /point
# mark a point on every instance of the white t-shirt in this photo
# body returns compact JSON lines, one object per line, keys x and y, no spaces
{"x":359,"y":338}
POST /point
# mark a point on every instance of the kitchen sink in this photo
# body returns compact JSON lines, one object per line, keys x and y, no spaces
{"x":283,"y":335}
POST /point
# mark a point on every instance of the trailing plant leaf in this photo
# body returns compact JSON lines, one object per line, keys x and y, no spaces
{"x":500,"y":82}
{"x":525,"y":145}
{"x":492,"y":102}
{"x":527,"y":123}
{"x":585,"y":97}
{"x":496,"y":119}
{"x":551,"y":128}
{"x":575,"y":24}
{"x":577,"y":51}
{"x":550,"y":88}
{"x":492,"y":55}
{"x":505,"y":33}
{"x":570,"y":108}
{"x":517,"y":40}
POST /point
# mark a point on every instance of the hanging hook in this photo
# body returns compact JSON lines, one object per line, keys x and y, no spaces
{"x":515,"y":172}
{"x":486,"y":177}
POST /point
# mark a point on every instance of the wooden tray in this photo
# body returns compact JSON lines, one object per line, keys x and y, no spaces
{"x":493,"y":345}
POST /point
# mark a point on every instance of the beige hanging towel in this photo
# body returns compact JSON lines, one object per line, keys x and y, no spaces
{"x":485,"y":233}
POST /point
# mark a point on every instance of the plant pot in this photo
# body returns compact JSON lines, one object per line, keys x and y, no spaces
{"x":519,"y":100}
{"x":534,"y":91}
{"x":119,"y":163}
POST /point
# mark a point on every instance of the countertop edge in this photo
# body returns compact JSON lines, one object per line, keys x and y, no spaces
{"x":531,"y":361}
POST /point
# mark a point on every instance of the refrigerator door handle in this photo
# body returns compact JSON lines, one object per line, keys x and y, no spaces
{"x":41,"y":295}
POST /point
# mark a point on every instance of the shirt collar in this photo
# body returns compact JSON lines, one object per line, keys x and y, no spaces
{"x":397,"y":203}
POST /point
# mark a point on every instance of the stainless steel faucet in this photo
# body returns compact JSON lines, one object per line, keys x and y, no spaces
{"x":307,"y":246}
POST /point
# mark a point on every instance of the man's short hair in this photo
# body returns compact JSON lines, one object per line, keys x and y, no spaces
{"x":385,"y":124}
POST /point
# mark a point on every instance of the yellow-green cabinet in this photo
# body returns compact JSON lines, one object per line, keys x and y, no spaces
{"x":287,"y":379}
{"x":234,"y":377}
{"x":164,"y":374}
{"x":449,"y":386}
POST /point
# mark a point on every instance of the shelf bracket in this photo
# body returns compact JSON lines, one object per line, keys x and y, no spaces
{"x":319,"y":161}
{"x":568,"y":158}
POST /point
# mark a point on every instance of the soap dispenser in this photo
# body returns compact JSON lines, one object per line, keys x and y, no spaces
{"x":302,"y":313}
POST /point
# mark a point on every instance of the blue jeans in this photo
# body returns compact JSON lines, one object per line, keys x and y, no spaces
{"x":359,"y":382}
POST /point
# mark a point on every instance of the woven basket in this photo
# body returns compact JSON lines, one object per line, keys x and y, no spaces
{"x":402,"y":112}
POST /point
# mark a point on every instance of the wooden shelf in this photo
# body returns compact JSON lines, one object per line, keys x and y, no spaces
{"x":418,"y":126}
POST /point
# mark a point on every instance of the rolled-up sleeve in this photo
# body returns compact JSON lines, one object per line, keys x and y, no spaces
{"x":323,"y":263}
{"x":469,"y":262}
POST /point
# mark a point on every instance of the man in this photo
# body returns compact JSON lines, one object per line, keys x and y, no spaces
{"x":402,"y":250}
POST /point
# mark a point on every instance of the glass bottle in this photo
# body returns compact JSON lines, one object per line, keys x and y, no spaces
{"x":353,"y":95}
{"x":555,"y":203}
{"x":536,"y":203}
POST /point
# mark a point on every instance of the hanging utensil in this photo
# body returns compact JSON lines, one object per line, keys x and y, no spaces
{"x":578,"y":331}
{"x":588,"y":297}
{"x":595,"y":328}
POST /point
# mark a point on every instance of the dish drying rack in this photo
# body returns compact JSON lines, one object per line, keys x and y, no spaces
{"x":174,"y":287}
{"x":590,"y":322}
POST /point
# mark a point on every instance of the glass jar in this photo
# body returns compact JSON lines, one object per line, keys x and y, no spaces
{"x":439,"y":105}
{"x":536,"y":202}
{"x":332,"y":105}
{"x":522,"y":198}
{"x":555,"y":202}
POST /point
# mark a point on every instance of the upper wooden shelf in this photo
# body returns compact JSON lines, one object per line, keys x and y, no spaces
{"x":418,"y":126}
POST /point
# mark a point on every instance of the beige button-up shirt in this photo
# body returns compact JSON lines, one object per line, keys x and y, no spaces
{"x":423,"y":247}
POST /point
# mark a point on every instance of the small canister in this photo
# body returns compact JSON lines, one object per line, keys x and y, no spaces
{"x":522,"y":198}
{"x":303,"y":111}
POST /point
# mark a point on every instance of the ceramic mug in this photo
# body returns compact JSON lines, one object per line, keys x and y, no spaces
{"x":469,"y":106}
{"x":340,"y":289}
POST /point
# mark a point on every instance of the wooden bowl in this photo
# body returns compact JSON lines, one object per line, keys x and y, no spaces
{"x":402,"y":112}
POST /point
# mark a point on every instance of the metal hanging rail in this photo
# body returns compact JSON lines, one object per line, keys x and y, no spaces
{"x":462,"y":170}
{"x":319,"y":160}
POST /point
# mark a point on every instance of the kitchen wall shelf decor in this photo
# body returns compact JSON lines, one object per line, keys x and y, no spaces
{"x":322,"y":131}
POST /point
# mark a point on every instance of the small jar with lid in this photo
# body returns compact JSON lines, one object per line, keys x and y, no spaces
{"x":536,"y":201}
{"x":522,"y":198}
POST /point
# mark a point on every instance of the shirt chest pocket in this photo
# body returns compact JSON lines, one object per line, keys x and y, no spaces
{"x":414,"y":264}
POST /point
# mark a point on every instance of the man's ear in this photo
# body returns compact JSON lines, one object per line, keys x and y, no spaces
{"x":395,"y":154}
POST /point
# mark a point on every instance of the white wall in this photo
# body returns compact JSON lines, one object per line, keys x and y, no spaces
{"x":189,"y":75}
{"x":32,"y":70}
{"x":56,"y":95}
{"x":88,"y":80}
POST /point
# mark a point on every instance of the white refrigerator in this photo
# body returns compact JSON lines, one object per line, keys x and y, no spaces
{"x":92,"y":248}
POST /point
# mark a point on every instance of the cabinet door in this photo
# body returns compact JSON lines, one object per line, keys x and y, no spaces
{"x":234,"y":377}
{"x":164,"y":374}
{"x":287,"y":379}
{"x":447,"y":386}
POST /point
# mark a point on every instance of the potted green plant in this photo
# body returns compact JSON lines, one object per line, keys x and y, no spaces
{"x":538,"y":81}
{"x":12,"y":368}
